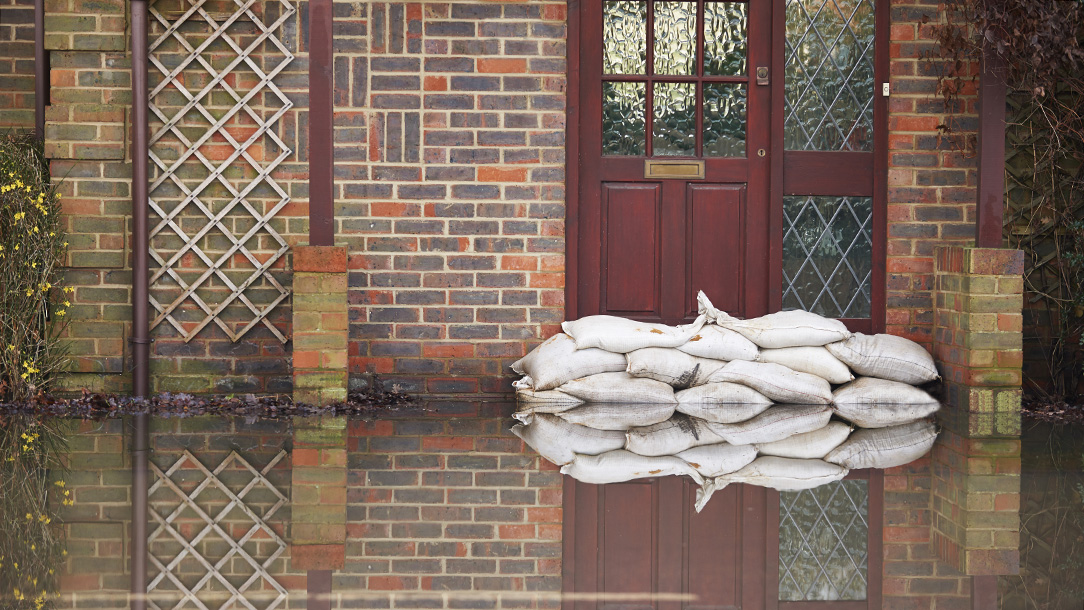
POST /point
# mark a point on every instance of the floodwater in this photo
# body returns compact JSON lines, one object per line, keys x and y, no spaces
{"x":441,"y":507}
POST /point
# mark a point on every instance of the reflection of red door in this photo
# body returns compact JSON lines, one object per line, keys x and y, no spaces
{"x":674,"y":166}
{"x":630,"y":541}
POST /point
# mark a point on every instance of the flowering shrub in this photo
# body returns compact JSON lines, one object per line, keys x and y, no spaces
{"x":32,"y":247}
{"x":32,"y":494}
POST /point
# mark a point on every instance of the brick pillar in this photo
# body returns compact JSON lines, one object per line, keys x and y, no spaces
{"x":318,"y":494}
{"x":976,"y":497}
{"x":320,"y":324}
{"x":978,"y":327}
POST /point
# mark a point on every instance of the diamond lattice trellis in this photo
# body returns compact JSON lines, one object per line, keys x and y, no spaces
{"x":214,"y":151}
{"x":214,"y":587}
{"x":823,"y":542}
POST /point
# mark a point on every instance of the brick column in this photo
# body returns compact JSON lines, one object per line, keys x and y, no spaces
{"x":318,"y":494}
{"x":320,"y":324}
{"x":978,"y":327}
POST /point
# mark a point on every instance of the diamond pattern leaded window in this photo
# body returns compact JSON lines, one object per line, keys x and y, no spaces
{"x":828,"y":255}
{"x":829,"y":79}
{"x":823,"y":542}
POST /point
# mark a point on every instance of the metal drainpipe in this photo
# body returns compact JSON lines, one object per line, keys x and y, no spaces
{"x":41,"y":72}
{"x":140,"y":280}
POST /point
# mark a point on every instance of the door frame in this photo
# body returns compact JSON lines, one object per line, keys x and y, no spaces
{"x":777,"y":184}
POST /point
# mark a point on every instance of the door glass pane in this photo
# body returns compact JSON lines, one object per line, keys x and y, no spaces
{"x":725,"y":47}
{"x":724,"y":120}
{"x":675,"y":38}
{"x":829,"y":75}
{"x":624,"y":36}
{"x":675,"y":119}
{"x":623,"y":119}
{"x":827,"y":255}
{"x":823,"y":542}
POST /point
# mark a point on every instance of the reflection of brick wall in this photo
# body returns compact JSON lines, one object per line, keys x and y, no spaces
{"x":931,"y":180}
{"x":16,"y":64}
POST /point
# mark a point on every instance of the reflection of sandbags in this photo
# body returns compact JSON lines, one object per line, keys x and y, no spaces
{"x":775,"y":424}
{"x":672,"y":436}
{"x":621,"y":335}
{"x":886,"y":357}
{"x":671,"y":366}
{"x":808,"y":445}
{"x":559,"y":441}
{"x":612,"y":416}
{"x":777,"y":382}
{"x":784,"y":474}
{"x":545,"y":401}
{"x":719,"y":459}
{"x":718,"y":343}
{"x":620,"y":465}
{"x":619,"y":387}
{"x":717,"y":402}
{"x":876,"y":403}
{"x":885,"y":447}
{"x":813,"y":360}
{"x":782,"y":329}
{"x":557,"y":360}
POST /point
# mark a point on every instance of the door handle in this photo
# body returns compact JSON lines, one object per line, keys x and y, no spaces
{"x":762,"y":75}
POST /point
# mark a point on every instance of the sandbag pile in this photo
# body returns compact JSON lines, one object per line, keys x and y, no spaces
{"x":790,"y":400}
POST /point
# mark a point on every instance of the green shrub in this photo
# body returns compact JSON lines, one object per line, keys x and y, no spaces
{"x":32,"y":247}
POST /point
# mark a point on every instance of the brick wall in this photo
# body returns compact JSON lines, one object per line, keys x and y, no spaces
{"x":931,"y":178}
{"x":16,"y":64}
{"x":450,"y":159}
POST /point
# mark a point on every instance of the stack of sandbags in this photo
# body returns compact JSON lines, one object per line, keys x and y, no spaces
{"x":771,"y":401}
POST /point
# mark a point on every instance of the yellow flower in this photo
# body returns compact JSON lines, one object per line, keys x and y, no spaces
{"x":69,"y":289}
{"x":28,"y":516}
{"x":60,"y":312}
{"x":59,"y":483}
{"x":67,"y":304}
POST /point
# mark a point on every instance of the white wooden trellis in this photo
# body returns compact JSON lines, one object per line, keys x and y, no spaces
{"x":196,"y":196}
{"x":212,"y":526}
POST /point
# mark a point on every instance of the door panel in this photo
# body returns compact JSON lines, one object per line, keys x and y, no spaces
{"x":714,"y":229}
{"x":630,"y":239}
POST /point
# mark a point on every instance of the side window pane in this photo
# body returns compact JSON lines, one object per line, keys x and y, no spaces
{"x":829,"y":75}
{"x":823,"y":542}
{"x":828,"y":255}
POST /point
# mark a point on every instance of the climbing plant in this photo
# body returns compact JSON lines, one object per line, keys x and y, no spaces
{"x":1042,"y":45}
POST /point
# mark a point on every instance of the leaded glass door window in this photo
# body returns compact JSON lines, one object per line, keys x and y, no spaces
{"x":832,"y":109}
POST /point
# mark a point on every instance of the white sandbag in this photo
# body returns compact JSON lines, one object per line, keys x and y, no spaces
{"x":784,"y":474}
{"x":876,"y":403}
{"x":559,"y":441}
{"x":620,"y":465}
{"x":887,"y":357}
{"x":672,"y":436}
{"x":719,"y":343}
{"x":613,"y":416}
{"x":809,"y":445}
{"x":621,"y":335}
{"x":719,"y":459}
{"x":885,"y":447}
{"x":777,"y":382}
{"x":670,"y":366}
{"x":783,"y":329}
{"x":813,"y":360}
{"x":775,"y":424}
{"x":557,"y":360}
{"x":545,"y":401}
{"x":620,"y":387}
{"x":722,"y":393}
{"x":724,"y":403}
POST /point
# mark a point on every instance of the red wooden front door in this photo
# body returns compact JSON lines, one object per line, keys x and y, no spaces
{"x":674,"y":165}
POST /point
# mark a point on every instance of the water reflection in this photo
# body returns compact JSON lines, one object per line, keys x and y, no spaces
{"x":440,"y":506}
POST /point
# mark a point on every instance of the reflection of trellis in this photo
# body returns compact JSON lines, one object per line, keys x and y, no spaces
{"x":213,"y":525}
{"x":180,"y":181}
